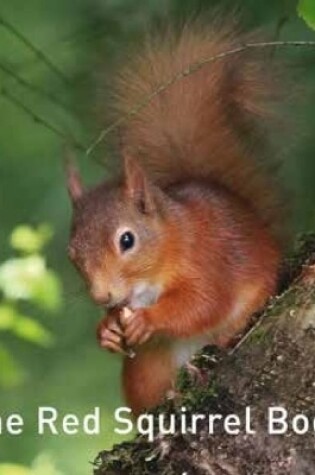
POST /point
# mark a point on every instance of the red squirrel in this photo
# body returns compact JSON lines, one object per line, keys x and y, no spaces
{"x":187,"y":236}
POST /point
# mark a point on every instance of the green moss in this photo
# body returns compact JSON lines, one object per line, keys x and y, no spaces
{"x":258,"y":335}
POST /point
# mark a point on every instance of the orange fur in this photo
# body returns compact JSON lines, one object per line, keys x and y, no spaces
{"x":148,"y":376}
{"x":220,"y":277}
{"x":205,"y":125}
{"x":204,"y":213}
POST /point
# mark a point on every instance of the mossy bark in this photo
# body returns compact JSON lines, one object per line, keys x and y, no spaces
{"x":273,"y":366}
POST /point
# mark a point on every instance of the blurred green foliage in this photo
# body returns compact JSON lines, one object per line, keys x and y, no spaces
{"x":56,"y":60}
{"x":28,"y":240}
{"x":26,"y":279}
{"x":42,"y":465}
{"x":306,"y":10}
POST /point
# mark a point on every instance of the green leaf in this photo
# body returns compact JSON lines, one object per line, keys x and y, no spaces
{"x":12,"y":469}
{"x":30,"y":240}
{"x":30,"y":330}
{"x":47,"y":293}
{"x":44,"y":465}
{"x":24,"y":327}
{"x":11,"y":373}
{"x":27,"y":278}
{"x":19,"y":276}
{"x":306,"y":10}
{"x":7,"y":317}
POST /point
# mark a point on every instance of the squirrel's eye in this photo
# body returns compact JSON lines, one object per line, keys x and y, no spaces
{"x":127,"y":241}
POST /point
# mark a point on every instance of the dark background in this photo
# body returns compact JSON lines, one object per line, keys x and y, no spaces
{"x":84,"y":38}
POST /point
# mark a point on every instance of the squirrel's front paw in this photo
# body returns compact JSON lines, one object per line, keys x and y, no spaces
{"x":137,"y":327}
{"x":110,"y":335}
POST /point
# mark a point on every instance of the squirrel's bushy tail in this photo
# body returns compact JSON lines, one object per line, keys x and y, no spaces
{"x":203,"y":125}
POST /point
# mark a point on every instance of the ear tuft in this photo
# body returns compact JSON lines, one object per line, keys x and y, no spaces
{"x":74,"y":183}
{"x":137,"y":186}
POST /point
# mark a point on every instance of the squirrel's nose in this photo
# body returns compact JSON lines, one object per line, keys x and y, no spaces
{"x":106,"y":301}
{"x":101,"y":298}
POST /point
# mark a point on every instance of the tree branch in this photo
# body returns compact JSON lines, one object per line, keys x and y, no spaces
{"x":273,"y":367}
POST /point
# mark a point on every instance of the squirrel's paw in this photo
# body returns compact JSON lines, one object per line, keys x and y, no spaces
{"x":110,"y":335}
{"x":137,"y":328}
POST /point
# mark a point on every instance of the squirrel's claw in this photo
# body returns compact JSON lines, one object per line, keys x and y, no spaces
{"x":110,"y":336}
{"x":113,"y":347}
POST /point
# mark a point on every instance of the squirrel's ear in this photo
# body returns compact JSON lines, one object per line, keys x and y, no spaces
{"x":74,"y":183}
{"x":137,"y":186}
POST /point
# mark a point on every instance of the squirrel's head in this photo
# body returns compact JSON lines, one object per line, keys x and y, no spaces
{"x":117,"y":240}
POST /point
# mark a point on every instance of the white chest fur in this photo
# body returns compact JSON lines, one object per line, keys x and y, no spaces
{"x":144,"y":294}
{"x":184,"y":350}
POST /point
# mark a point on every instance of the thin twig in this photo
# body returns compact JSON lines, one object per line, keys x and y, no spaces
{"x":38,"y":53}
{"x":247,"y":335}
{"x":32,"y":87}
{"x":279,"y":27}
{"x":71,"y":37}
{"x":40,"y":120}
{"x":187,"y":72}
